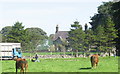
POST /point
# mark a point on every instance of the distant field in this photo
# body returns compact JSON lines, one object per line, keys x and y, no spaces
{"x":106,"y":64}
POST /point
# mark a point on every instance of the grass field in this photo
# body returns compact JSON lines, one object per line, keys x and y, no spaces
{"x":106,"y":64}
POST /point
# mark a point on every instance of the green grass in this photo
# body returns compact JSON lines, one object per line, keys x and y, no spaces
{"x":106,"y":64}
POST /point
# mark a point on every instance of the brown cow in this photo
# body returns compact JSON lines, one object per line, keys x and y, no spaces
{"x":21,"y":64}
{"x":94,"y":60}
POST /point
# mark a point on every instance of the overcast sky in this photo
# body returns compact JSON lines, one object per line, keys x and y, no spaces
{"x":46,"y":14}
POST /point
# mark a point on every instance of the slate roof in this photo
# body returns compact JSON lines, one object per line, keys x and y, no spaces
{"x":62,"y":34}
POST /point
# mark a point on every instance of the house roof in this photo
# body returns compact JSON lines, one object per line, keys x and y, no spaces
{"x":62,"y":34}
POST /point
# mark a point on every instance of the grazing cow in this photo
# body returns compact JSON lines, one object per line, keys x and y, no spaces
{"x":21,"y":64}
{"x":94,"y":60}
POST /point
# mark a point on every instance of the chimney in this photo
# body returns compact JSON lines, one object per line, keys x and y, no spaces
{"x":56,"y":29}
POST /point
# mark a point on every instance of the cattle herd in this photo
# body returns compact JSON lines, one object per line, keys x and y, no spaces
{"x":22,"y":64}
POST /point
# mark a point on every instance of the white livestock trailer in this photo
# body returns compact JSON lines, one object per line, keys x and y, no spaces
{"x":6,"y":50}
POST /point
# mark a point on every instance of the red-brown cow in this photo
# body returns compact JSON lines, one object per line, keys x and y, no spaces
{"x":94,"y":60}
{"x":21,"y":64}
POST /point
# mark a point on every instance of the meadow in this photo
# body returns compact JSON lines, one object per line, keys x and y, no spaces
{"x":106,"y":64}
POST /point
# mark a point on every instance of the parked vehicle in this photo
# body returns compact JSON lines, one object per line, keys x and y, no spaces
{"x":10,"y":50}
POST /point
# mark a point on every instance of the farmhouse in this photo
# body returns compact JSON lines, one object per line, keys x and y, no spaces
{"x":60,"y":39}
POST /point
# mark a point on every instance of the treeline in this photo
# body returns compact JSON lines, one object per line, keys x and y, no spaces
{"x":29,"y":38}
{"x":103,"y":36}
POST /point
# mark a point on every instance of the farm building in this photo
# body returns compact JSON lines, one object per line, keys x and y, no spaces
{"x":60,"y":39}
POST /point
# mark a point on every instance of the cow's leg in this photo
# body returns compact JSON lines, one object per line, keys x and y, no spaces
{"x":22,"y":68}
{"x":26,"y":66}
{"x":22,"y":71}
{"x":92,"y":64}
{"x":96,"y":63}
{"x":25,"y":70}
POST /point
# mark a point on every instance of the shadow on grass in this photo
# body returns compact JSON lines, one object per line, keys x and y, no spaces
{"x":86,"y":68}
{"x":11,"y":68}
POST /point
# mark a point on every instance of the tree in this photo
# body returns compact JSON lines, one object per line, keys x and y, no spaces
{"x":29,"y":38}
{"x":17,"y":33}
{"x":104,"y":11}
{"x":116,"y":18}
{"x":5,"y":31}
{"x":88,"y":41}
{"x":103,"y":27}
{"x":76,"y":37}
{"x":50,"y":39}
{"x":105,"y":8}
{"x":36,"y":36}
{"x":111,"y":33}
{"x":100,"y":38}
